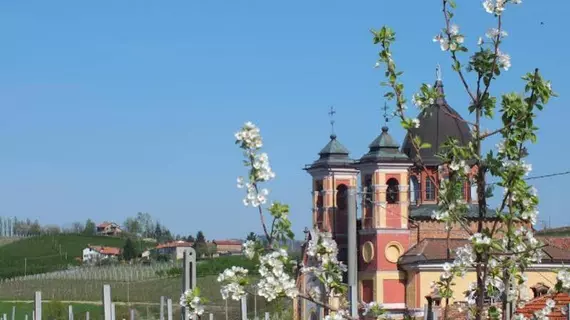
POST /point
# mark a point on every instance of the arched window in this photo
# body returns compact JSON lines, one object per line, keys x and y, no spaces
{"x":392,"y":191}
{"x":369,"y":191}
{"x":430,"y":189}
{"x":414,"y":190}
{"x":319,"y":190}
{"x":341,"y":194}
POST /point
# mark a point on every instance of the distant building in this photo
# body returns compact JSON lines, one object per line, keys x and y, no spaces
{"x":97,"y":253}
{"x":228,"y":247}
{"x":174,"y":248}
{"x":109,"y":229}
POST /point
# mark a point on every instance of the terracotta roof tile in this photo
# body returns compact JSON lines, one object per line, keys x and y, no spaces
{"x":435,"y":250}
{"x":559,"y":242}
{"x":111,"y":251}
{"x":175,"y":244}
{"x":562,"y":300}
{"x":228,"y":242}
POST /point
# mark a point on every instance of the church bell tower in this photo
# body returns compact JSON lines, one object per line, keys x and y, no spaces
{"x":384,"y":234}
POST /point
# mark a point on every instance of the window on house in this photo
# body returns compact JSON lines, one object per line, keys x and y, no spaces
{"x":474,"y":196}
{"x":465,"y":190}
{"x":414,"y":190}
{"x":430,"y":189}
{"x":392,"y":191}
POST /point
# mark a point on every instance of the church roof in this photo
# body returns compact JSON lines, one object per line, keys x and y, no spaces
{"x":425,"y":211}
{"x":384,"y":149}
{"x":334,"y":154}
{"x":434,"y":250}
{"x":561,"y":301}
{"x":438,"y":122}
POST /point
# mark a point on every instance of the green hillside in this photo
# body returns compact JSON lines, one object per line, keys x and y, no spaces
{"x":42,"y":254}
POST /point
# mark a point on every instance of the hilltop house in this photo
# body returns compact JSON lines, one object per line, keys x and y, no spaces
{"x":109,"y":229}
{"x":97,"y":253}
{"x":228,"y":247}
{"x":174,"y":248}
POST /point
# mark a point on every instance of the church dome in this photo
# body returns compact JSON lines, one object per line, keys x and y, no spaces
{"x":384,"y":149}
{"x":334,"y":154}
{"x":438,"y":123}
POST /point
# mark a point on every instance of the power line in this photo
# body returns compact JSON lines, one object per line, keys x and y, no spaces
{"x":550,"y":175}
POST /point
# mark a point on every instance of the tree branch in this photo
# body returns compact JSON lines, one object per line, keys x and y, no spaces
{"x":453,"y":54}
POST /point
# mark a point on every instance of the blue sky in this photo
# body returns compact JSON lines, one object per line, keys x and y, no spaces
{"x":108,"y":108}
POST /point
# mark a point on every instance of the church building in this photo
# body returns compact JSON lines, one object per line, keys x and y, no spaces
{"x":401,"y":248}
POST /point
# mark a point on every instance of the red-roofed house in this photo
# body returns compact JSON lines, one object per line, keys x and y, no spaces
{"x":561,"y":299}
{"x":174,"y":248}
{"x":225,"y":247}
{"x":109,"y":229}
{"x":97,"y":253}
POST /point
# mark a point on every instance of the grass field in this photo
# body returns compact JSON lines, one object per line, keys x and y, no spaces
{"x":42,"y":254}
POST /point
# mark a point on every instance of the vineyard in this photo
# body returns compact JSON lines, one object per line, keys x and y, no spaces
{"x":49,"y":253}
{"x":144,"y":295}
{"x":138,"y":286}
{"x":110,"y":273}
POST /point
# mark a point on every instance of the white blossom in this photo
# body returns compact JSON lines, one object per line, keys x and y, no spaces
{"x":494,"y":6}
{"x":480,"y":41}
{"x":232,"y":280}
{"x":443,"y":42}
{"x":480,"y":239}
{"x":193,"y":303}
{"x":337,"y":315}
{"x":249,"y":136}
{"x":274,"y":280}
{"x":564,"y":278}
{"x":494,"y":32}
{"x":240,"y":182}
{"x":503,"y":60}
{"x":455,"y":166}
{"x":249,"y":249}
{"x":440,"y":215}
{"x":454,"y":29}
{"x":416,"y":123}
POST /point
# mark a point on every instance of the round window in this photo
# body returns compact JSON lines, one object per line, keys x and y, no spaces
{"x":367,"y":251}
{"x":393,"y":251}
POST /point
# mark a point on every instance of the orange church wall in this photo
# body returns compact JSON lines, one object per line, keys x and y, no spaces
{"x":396,"y":176}
{"x":394,"y":291}
{"x":393,"y":215}
{"x":346,"y":182}
{"x":383,"y":239}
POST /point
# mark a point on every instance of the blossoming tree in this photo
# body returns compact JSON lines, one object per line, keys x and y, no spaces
{"x":499,"y":255}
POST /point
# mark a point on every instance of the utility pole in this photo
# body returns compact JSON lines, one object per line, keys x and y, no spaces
{"x":352,"y":253}
{"x":25,"y":267}
{"x":188,"y":276}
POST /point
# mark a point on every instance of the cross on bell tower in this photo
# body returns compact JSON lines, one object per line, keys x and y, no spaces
{"x":332,"y":112}
{"x":387,"y":117}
